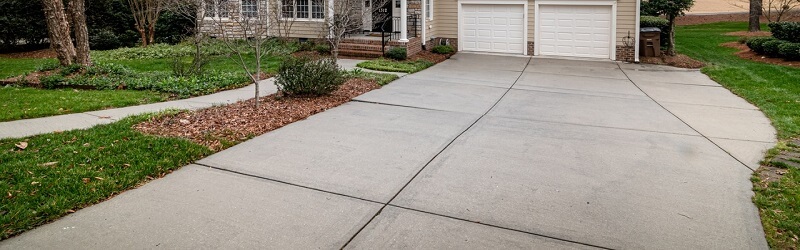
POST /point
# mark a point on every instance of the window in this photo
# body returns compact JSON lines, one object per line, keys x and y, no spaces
{"x":217,"y":9}
{"x":303,"y":9}
{"x":429,"y":9}
{"x":250,"y":8}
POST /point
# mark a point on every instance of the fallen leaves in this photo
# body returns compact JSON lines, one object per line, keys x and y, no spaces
{"x":21,"y":145}
{"x":47,"y":164}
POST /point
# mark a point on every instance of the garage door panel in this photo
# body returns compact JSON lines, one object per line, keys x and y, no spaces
{"x":574,"y":30}
{"x":496,"y":28}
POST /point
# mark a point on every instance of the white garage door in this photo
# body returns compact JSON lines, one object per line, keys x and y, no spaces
{"x":493,"y":28}
{"x":574,"y":30}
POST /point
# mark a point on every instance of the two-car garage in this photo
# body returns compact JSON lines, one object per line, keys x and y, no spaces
{"x":560,"y":28}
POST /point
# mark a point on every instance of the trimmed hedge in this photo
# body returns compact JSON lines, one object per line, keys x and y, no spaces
{"x":756,"y":44}
{"x":443,"y":49}
{"x":771,"y":47}
{"x":789,"y":51}
{"x":789,"y":31}
{"x":653,"y":21}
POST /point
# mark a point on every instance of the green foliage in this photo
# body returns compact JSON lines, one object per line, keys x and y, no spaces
{"x":71,"y":69}
{"x":172,"y":28}
{"x":306,"y":46}
{"x":395,"y":66}
{"x":380,"y":78}
{"x":648,"y":8}
{"x":653,"y":21}
{"x":196,"y":67}
{"x":669,"y":8}
{"x":305,"y":76}
{"x":52,"y":81}
{"x":25,"y":103}
{"x":21,"y":21}
{"x":212,"y":47}
{"x":771,"y":47}
{"x":789,"y":51}
{"x":443,"y":49}
{"x":756,"y":44}
{"x":789,"y":31}
{"x":322,"y":48}
{"x":67,"y":171}
{"x":396,"y":54}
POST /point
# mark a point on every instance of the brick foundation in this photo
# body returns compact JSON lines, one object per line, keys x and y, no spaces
{"x":626,"y":54}
{"x":443,"y":41}
{"x":530,"y":48}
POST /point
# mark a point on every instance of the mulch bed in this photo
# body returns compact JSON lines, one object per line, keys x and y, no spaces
{"x":749,"y":34}
{"x":429,"y":56}
{"x":746,"y":53}
{"x":43,"y":53}
{"x":679,"y":60}
{"x":222,"y":126}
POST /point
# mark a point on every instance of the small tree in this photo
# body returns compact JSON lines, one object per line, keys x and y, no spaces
{"x":145,"y":15}
{"x":192,"y":10}
{"x":672,"y":9}
{"x":776,"y":10}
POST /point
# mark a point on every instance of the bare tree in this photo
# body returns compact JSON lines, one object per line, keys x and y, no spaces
{"x":192,"y":10}
{"x":776,"y":10}
{"x":145,"y":15}
{"x":755,"y":16}
{"x":348,"y":17}
{"x":248,"y":27}
{"x":58,"y":30}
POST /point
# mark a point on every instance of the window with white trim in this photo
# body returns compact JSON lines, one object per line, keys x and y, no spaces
{"x":303,"y":9}
{"x":217,"y":9}
{"x":429,"y":9}
{"x":250,"y":8}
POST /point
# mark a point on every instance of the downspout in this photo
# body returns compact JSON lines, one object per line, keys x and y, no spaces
{"x":638,"y":20}
{"x":424,"y":18}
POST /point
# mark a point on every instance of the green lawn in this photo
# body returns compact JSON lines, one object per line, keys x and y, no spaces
{"x":67,"y":171}
{"x":387,"y":65}
{"x":10,"y":67}
{"x":24,"y":103}
{"x":776,"y":91}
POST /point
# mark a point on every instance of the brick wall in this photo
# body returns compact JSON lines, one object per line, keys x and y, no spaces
{"x":626,"y":54}
{"x":413,"y":46}
{"x":530,"y":48}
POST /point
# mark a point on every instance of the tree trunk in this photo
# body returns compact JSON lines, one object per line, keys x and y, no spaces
{"x":151,"y":33}
{"x":671,"y":47}
{"x":58,"y":31}
{"x":77,"y":11}
{"x":755,"y":15}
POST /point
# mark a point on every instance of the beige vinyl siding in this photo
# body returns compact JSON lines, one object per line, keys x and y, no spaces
{"x":445,"y":18}
{"x":304,"y":29}
{"x":531,"y":21}
{"x":626,"y":19}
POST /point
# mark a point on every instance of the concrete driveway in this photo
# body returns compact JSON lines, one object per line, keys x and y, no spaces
{"x":477,"y":152}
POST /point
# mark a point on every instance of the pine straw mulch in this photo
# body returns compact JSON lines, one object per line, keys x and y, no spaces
{"x":223,"y":126}
{"x":749,"y":34}
{"x":747,"y":54}
{"x":679,"y":60}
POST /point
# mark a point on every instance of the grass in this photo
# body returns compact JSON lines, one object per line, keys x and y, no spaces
{"x":62,"y":172}
{"x":381,"y":78}
{"x":387,"y":65}
{"x":776,"y":91}
{"x":10,"y":67}
{"x":25,"y":103}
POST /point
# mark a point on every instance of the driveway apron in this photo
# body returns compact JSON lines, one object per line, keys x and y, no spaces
{"x":480,"y":151}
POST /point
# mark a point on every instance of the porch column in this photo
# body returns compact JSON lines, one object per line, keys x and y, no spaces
{"x":403,"y":20}
{"x":331,"y":15}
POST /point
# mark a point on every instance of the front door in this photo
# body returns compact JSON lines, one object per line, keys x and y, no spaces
{"x":382,"y":16}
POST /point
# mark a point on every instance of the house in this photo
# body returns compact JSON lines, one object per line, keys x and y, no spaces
{"x":601,"y":29}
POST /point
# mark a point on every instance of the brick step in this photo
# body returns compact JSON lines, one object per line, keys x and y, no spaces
{"x":360,"y":53}
{"x":361,"y":41}
{"x":356,"y":46}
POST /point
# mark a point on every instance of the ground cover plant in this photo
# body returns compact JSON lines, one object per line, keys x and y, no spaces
{"x":388,"y":65}
{"x":774,"y":89}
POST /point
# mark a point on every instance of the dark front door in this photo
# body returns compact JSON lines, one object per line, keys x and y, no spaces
{"x":382,"y":16}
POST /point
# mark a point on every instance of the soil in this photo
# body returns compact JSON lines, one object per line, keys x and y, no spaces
{"x":679,"y":60}
{"x":749,"y":34}
{"x":30,"y":80}
{"x":746,"y":53}
{"x":222,"y":126}
{"x":43,"y":53}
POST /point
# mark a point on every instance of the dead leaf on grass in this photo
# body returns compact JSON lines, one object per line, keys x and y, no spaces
{"x":21,"y":145}
{"x":47,"y":164}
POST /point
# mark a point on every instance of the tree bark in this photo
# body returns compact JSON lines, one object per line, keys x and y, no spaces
{"x":671,"y":47}
{"x":77,"y":11}
{"x":58,"y":31}
{"x":755,"y":15}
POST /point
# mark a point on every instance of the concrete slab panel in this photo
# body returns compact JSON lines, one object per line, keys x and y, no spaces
{"x":397,"y":228}
{"x":579,"y":85}
{"x":432,"y":94}
{"x":201,"y":208}
{"x":607,"y":187}
{"x":363,"y":150}
{"x":680,"y":77}
{"x":483,"y":77}
{"x":726,"y":123}
{"x":29,"y":127}
{"x":604,"y":64}
{"x":749,"y":152}
{"x":694,"y":94}
{"x":483,"y":62}
{"x":598,"y":72}
{"x":589,"y":110}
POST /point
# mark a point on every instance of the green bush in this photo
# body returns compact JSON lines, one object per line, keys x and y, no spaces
{"x":789,"y":51}
{"x":305,"y":76}
{"x":649,"y":9}
{"x":306,"y":46}
{"x":653,"y":21}
{"x":771,"y":48}
{"x":322,"y":48}
{"x":443,"y":49}
{"x":756,"y":44}
{"x":397,"y":54}
{"x":789,"y":31}
{"x":21,"y":21}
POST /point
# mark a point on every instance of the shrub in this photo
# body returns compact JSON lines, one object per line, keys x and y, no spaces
{"x":322,"y":48}
{"x":443,"y":49}
{"x":789,"y":51}
{"x":47,"y":66}
{"x":653,"y":21}
{"x":52,"y":81}
{"x":396,"y":54}
{"x":306,"y":46}
{"x":305,"y":76}
{"x":789,"y":31}
{"x":756,"y":44}
{"x":771,"y":47}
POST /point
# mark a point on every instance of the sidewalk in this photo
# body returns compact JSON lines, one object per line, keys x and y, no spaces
{"x":29,"y":127}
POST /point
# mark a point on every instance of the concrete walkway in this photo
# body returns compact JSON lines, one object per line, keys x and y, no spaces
{"x":477,"y":152}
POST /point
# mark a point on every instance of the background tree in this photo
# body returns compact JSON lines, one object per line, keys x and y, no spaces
{"x":77,"y":13}
{"x":755,"y":15}
{"x":777,"y":10}
{"x":672,"y":9}
{"x":58,"y":31}
{"x":145,"y":15}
